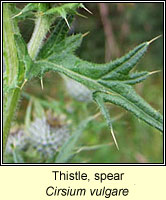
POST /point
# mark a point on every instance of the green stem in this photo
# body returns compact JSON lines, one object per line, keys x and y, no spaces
{"x":9,"y":48}
{"x":41,"y":28}
{"x":11,"y":64}
{"x":12,"y":100}
{"x":42,"y":25}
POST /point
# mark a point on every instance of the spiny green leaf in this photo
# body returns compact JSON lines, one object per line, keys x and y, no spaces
{"x":110,"y":82}
{"x":64,"y":10}
{"x":136,"y":77}
{"x":67,"y":46}
{"x":91,"y":74}
{"x":107,"y":71}
{"x":57,"y":36}
{"x":41,"y":7}
{"x":68,"y":8}
{"x":99,"y":99}
{"x":34,"y":71}
{"x":29,"y":7}
{"x":127,"y":62}
{"x":126,"y":97}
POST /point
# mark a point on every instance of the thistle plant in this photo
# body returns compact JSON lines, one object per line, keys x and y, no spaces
{"x":111,"y":82}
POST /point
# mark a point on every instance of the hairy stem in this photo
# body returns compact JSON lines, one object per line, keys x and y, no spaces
{"x":9,"y":48}
{"x":9,"y":113}
{"x":42,"y":25}
{"x":11,"y":65}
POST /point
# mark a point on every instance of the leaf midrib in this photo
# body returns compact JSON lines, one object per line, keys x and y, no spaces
{"x":78,"y":75}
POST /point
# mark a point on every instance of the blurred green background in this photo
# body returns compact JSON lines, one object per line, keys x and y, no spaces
{"x":115,"y":28}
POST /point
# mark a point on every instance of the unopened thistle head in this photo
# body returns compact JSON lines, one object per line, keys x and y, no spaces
{"x":77,"y":90}
{"x":45,"y":139}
